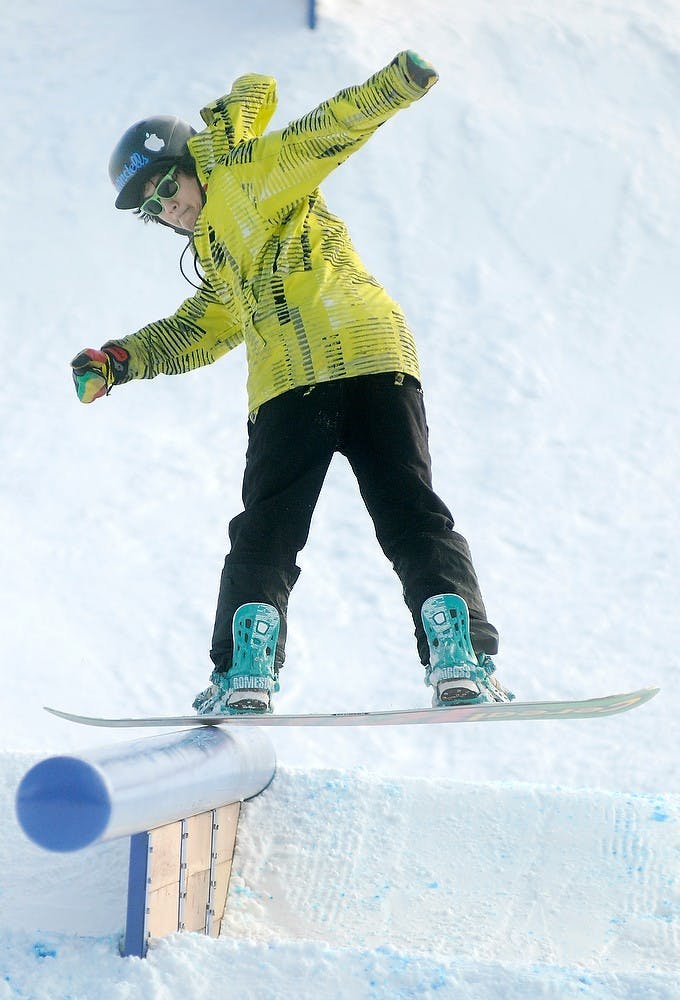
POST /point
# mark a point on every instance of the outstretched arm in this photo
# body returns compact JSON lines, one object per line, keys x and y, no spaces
{"x":281,"y":167}
{"x":200,"y":332}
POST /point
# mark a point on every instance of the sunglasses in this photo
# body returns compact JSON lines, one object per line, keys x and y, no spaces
{"x":166,"y":188}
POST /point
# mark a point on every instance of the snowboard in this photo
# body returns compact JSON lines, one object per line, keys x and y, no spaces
{"x":496,"y":712}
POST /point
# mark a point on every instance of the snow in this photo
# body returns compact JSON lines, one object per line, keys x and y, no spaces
{"x":525,"y":214}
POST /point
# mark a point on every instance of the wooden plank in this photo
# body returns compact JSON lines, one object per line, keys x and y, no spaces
{"x":162,"y":911}
{"x":164,"y":880}
{"x":226,"y":825}
{"x":199,"y":834}
{"x":165,"y":847}
{"x":196,"y":902}
{"x":197,"y":851}
{"x":226,"y":820}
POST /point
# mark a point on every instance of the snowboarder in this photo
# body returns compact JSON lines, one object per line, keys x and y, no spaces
{"x":332,"y":366}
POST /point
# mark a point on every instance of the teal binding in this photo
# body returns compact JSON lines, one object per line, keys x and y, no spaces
{"x":446,"y":621}
{"x":251,"y":681}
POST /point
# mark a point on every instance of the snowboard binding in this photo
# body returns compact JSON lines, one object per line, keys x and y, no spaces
{"x":457,"y":674}
{"x":249,"y":684}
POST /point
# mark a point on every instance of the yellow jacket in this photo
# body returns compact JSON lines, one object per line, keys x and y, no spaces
{"x":281,"y":272}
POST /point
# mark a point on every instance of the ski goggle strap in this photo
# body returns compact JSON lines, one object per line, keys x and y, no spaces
{"x":166,"y":188}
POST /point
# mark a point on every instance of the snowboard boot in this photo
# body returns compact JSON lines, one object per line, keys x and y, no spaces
{"x":250,"y":682}
{"x":457,"y":674}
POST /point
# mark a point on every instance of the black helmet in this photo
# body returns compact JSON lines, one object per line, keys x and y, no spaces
{"x":150,"y":144}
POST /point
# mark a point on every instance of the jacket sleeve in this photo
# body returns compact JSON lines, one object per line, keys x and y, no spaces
{"x":284,"y":166}
{"x":201,"y":331}
{"x":240,"y":115}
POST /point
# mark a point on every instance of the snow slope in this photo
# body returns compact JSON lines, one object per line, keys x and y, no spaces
{"x":525,"y":214}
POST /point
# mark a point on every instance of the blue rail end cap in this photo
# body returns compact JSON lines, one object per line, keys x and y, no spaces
{"x":63,"y":804}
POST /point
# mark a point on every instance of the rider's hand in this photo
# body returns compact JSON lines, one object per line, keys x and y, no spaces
{"x":418,"y":70}
{"x":94,"y":372}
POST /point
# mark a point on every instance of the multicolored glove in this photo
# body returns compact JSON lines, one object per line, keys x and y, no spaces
{"x":94,"y":372}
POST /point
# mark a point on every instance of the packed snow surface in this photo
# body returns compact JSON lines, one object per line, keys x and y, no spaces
{"x":526,"y":216}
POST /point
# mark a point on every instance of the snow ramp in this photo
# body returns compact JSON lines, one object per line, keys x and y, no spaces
{"x":491,"y":890}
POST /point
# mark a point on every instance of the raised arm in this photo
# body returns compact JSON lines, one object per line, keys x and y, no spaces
{"x":284,"y":166}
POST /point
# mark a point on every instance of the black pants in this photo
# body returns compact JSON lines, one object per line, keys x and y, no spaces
{"x":378,"y":422}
